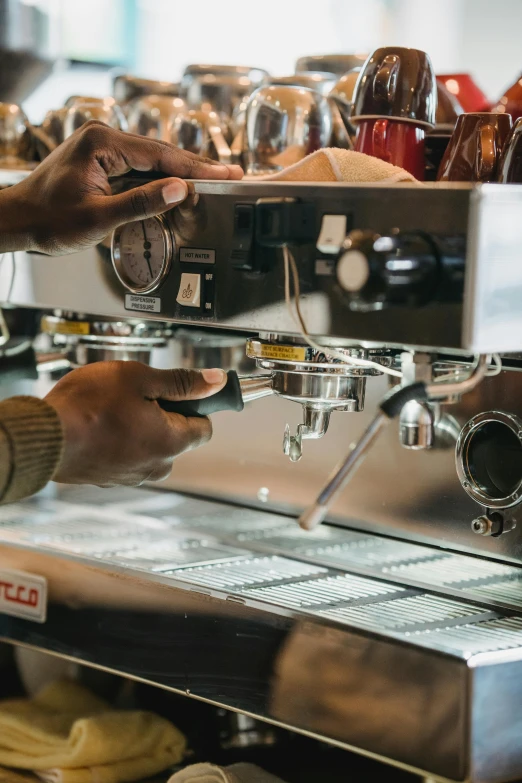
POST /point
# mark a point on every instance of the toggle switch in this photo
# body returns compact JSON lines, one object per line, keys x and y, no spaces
{"x":189,"y":294}
{"x":332,"y":234}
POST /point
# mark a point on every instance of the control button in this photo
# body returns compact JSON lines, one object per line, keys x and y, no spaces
{"x":189,"y":294}
{"x":332,"y":234}
{"x":353,"y":270}
{"x":242,"y":241}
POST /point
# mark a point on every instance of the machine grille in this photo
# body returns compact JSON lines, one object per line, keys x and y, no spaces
{"x":501,"y":633}
{"x":248,"y":571}
{"x":452,"y":570}
{"x":329,"y":591}
{"x":412,"y":613}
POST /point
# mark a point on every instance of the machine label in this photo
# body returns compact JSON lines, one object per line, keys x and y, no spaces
{"x":197,"y":255}
{"x":23,"y":595}
{"x":291,"y":353}
{"x":72,"y":327}
{"x":145,"y":304}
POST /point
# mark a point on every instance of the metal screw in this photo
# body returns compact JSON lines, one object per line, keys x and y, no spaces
{"x":481,"y":526}
{"x":465,"y":484}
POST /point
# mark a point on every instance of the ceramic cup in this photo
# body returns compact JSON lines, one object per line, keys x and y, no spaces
{"x":394,"y":104}
{"x":475,"y":147}
{"x":511,"y":101}
{"x":510,"y":164}
{"x":463,"y":87}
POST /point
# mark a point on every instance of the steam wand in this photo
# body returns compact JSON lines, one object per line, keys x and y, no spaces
{"x":389,"y":408}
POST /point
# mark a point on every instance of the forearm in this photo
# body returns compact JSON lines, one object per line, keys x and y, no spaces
{"x":31,"y":444}
{"x":15,"y":228}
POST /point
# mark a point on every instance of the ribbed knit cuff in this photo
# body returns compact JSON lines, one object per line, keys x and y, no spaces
{"x":33,"y":434}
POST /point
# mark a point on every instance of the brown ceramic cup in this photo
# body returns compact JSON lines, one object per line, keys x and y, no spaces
{"x":398,"y":83}
{"x":510,"y":165}
{"x":475,"y":147}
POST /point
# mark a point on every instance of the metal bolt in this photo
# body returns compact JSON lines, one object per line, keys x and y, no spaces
{"x":481,"y":526}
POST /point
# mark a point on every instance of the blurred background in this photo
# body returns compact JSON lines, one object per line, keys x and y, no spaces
{"x":88,"y":39}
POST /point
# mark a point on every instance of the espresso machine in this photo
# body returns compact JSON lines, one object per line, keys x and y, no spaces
{"x":378,"y":610}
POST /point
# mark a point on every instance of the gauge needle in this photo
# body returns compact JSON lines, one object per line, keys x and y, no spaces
{"x":146,"y":246}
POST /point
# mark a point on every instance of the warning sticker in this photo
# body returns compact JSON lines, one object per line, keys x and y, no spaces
{"x":69,"y":327}
{"x":290,"y":353}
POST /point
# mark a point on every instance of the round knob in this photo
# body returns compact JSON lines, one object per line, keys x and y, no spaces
{"x":374,"y":271}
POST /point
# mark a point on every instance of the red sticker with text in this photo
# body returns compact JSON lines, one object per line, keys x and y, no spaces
{"x":23,"y":595}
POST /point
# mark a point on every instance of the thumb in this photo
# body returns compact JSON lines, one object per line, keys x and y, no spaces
{"x":184,"y":384}
{"x":147,"y":200}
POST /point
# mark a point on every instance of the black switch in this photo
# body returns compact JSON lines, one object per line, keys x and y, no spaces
{"x":242,"y":254}
{"x":284,"y":221}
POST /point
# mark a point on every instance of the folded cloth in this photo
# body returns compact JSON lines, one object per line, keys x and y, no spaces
{"x":67,"y":735}
{"x":236,"y":773}
{"x":337,"y":165}
{"x":10,"y":776}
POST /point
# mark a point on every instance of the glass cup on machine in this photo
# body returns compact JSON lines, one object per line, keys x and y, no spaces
{"x":394,"y":104}
{"x":201,"y":132}
{"x":154,"y":115}
{"x":106,"y":111}
{"x":474,"y":150}
{"x":284,"y":124}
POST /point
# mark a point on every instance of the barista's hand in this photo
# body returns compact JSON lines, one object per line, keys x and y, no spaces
{"x":66,"y":203}
{"x":114,"y":430}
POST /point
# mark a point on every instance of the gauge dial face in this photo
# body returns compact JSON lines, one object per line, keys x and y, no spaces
{"x":141,"y":253}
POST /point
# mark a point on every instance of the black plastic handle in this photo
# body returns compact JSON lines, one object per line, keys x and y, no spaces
{"x":228,"y":399}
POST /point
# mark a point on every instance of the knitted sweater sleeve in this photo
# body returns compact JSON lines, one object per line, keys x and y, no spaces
{"x":31,"y":443}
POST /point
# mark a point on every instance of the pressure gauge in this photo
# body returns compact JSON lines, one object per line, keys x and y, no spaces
{"x":142,"y":253}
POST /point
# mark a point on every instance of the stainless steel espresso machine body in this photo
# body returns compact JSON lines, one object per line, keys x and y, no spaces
{"x":396,"y":628}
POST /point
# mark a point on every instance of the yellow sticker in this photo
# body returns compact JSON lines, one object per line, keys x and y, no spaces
{"x":67,"y":327}
{"x":290,"y":353}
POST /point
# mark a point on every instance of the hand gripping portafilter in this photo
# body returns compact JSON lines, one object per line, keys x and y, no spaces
{"x":232,"y":397}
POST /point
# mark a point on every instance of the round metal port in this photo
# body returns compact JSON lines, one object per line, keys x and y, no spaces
{"x":489,"y":459}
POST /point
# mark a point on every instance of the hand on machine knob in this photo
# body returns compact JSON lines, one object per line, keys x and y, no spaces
{"x":375,"y":271}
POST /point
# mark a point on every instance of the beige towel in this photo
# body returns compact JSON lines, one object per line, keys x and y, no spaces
{"x":237,"y":773}
{"x":337,"y":165}
{"x":67,"y":735}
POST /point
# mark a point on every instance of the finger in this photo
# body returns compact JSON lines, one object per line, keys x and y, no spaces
{"x":145,"y":201}
{"x":188,"y":433}
{"x":183,"y":384}
{"x":145,"y":154}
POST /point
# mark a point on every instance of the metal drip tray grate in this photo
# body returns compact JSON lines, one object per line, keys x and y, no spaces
{"x":404,"y":613}
{"x":365,"y":551}
{"x":509,"y":591}
{"x":329,"y":591}
{"x":248,"y":571}
{"x":167,"y":556}
{"x":240,"y":522}
{"x":503,"y":633}
{"x":453,"y":570}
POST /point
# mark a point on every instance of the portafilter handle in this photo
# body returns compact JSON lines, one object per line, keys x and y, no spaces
{"x":232,"y":397}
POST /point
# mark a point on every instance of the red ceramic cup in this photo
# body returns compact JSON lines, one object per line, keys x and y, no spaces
{"x":394,"y":141}
{"x":468,"y":94}
{"x":511,"y":101}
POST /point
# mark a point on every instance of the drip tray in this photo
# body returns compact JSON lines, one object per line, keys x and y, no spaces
{"x":394,"y":649}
